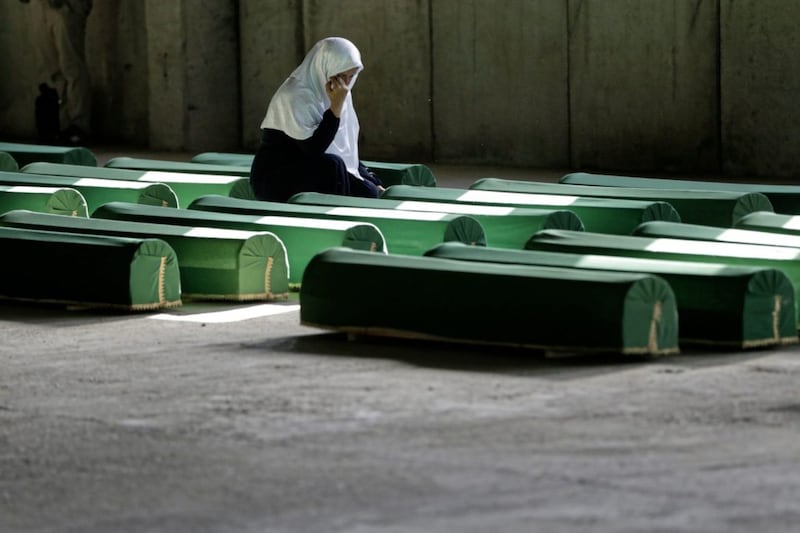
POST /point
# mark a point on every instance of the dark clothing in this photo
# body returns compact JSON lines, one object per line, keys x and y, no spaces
{"x":284,"y":166}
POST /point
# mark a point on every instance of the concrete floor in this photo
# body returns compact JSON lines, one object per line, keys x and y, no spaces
{"x":186,"y":422}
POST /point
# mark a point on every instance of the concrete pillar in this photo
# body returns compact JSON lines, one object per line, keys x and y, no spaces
{"x":271,"y":45}
{"x":116,"y":38}
{"x":644,"y":85}
{"x":500,"y":82}
{"x":19,"y":65}
{"x":760,"y":87}
{"x":192,"y":51}
{"x":392,"y":96}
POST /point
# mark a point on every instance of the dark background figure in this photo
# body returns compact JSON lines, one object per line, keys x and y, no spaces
{"x":61,"y":29}
{"x":48,"y":123}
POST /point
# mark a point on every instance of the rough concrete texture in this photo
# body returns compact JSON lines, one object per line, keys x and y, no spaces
{"x":617,"y":85}
{"x":760,"y":87}
{"x":125,"y":423}
{"x":643,"y":84}
{"x":392,"y":95}
{"x":166,"y":67}
{"x":212,"y":76}
{"x":500,"y":82}
{"x":116,"y":41}
{"x":18,"y":54}
{"x":270,"y":48}
{"x":192,"y":51}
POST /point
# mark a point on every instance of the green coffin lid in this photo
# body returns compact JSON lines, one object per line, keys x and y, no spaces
{"x":99,"y":191}
{"x":224,"y":158}
{"x":603,"y":215}
{"x":676,"y":230}
{"x":547,"y":308}
{"x":59,"y":201}
{"x":784,"y":198}
{"x":186,"y":187}
{"x":505,"y":227}
{"x":402,"y":173}
{"x":302,"y":237}
{"x":388,"y":173}
{"x":713,"y":208}
{"x":771,"y":222}
{"x":782,"y":258}
{"x":218,"y":264}
{"x":735,"y":306}
{"x":90,"y":270}
{"x":406,"y":232}
{"x":31,"y":153}
{"x":7,"y":162}
{"x":133,"y":163}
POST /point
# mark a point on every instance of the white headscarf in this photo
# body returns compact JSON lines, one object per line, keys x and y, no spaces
{"x":299,"y":103}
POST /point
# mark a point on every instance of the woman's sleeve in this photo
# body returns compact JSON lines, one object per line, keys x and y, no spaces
{"x":368,"y":174}
{"x":322,"y":136}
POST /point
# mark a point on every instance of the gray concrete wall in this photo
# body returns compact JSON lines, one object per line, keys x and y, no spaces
{"x":760,"y":87}
{"x":627,"y":85}
{"x":643,"y":84}
{"x":193,"y":82}
{"x":19,"y":65}
{"x":500,"y":82}
{"x":270,"y":48}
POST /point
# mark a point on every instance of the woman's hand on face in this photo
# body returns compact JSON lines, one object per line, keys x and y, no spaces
{"x":337,"y":90}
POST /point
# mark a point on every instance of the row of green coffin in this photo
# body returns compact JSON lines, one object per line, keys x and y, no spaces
{"x":570,"y":299}
{"x":30,"y":153}
{"x":720,"y":305}
{"x":186,"y":187}
{"x":389,"y":173}
{"x":94,"y":191}
{"x":55,"y":200}
{"x":375,"y":229}
{"x":713,"y":208}
{"x":442,"y":299}
{"x":504,"y":227}
{"x":214,"y":264}
{"x":90,"y":270}
{"x":303,"y":237}
{"x":783,"y":258}
{"x":785,"y":199}
{"x":602,"y":215}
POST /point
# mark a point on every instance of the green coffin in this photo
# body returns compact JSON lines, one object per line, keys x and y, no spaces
{"x":603,"y":215}
{"x":713,"y":208}
{"x":99,"y":191}
{"x":215,"y":264}
{"x":545,"y":308}
{"x":389,"y":173}
{"x":31,"y":153}
{"x":186,"y":187}
{"x":406,"y":232}
{"x":736,"y":306}
{"x":56,"y":200}
{"x":505,"y":227}
{"x":88,"y":270}
{"x":7,"y":162}
{"x":402,"y":173}
{"x":302,"y":237}
{"x":753,"y":255}
{"x":784,"y":198}
{"x":135,"y":163}
{"x":675,"y":230}
{"x":771,"y":222}
{"x":224,"y":158}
